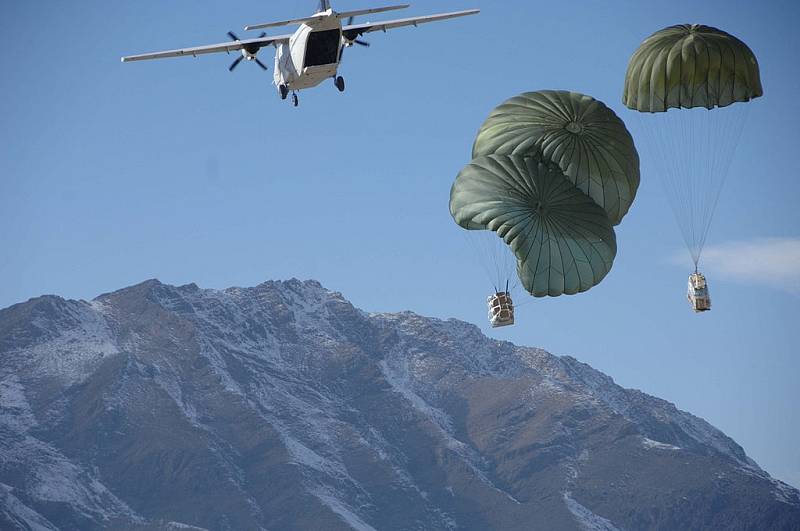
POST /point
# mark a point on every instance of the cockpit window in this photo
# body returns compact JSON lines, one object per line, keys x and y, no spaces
{"x":323,"y":48}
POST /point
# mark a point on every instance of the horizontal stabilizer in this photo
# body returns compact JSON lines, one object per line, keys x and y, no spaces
{"x":360,"y":12}
{"x":284,"y":22}
{"x":314,"y":18}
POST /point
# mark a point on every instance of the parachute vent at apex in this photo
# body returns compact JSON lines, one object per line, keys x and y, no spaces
{"x":698,"y":294}
{"x":501,"y":309}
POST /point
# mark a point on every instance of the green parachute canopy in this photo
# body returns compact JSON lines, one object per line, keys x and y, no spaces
{"x":690,"y":65}
{"x":689,"y":84}
{"x":564,"y":242}
{"x":578,"y":133}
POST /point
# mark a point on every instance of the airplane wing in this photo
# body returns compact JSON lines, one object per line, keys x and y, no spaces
{"x":355,"y":30}
{"x":251,"y":45}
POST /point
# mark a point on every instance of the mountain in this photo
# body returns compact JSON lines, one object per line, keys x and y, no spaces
{"x":284,"y":407}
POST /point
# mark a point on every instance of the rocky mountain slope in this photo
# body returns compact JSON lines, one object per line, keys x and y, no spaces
{"x":283,"y":407}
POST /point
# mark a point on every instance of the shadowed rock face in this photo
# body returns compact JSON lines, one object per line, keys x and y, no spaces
{"x":283,"y":407}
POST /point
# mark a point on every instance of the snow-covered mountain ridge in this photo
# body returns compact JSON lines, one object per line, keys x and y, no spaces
{"x":284,"y":407}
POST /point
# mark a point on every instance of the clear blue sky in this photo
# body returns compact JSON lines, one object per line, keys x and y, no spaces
{"x":111,"y":174}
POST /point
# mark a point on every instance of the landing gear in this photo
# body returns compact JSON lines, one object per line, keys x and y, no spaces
{"x":339,"y":82}
{"x":285,"y":94}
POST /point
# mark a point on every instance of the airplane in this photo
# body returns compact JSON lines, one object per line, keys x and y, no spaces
{"x":311,"y":54}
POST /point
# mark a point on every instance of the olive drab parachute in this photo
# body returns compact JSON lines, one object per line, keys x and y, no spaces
{"x":564,"y":242}
{"x":690,"y":65}
{"x":578,"y":133}
{"x":552,"y":173}
{"x":689,"y":84}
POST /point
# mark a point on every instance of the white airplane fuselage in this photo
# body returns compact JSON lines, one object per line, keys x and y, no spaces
{"x":312,"y":54}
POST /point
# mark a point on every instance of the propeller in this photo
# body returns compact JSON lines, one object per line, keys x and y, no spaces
{"x":352,"y":41}
{"x":252,"y":50}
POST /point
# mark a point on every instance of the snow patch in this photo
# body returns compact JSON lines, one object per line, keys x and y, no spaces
{"x":179,"y":525}
{"x":74,"y":352}
{"x":650,"y":444}
{"x":588,"y":520}
{"x":639,"y":408}
{"x":53,"y":478}
{"x":59,"y":480}
{"x":20,"y":514}
{"x":484,"y":357}
{"x":785,"y":493}
{"x":170,"y":383}
{"x":547,"y":386}
{"x":15,"y":411}
{"x":398,"y":376}
{"x":342,"y":510}
{"x":303,"y":455}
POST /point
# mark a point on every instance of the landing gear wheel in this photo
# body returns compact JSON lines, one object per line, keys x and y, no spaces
{"x":340,"y":83}
{"x":295,"y":99}
{"x":284,"y":91}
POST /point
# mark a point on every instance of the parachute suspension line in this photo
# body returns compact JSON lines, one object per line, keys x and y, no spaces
{"x":735,"y":118}
{"x":479,"y":251}
{"x":667,"y":133}
{"x":693,"y":150}
{"x":658,"y":145}
{"x":495,"y":257}
{"x":493,"y":243}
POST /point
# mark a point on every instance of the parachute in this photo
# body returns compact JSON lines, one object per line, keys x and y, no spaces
{"x":552,"y":173}
{"x":564,"y":242}
{"x":582,"y":136}
{"x":690,"y":65}
{"x":689,"y":84}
